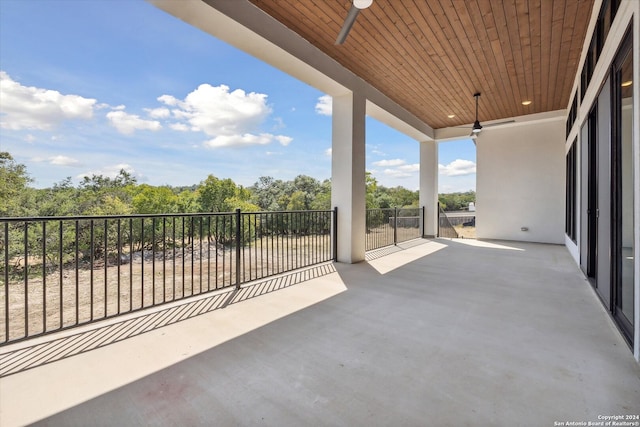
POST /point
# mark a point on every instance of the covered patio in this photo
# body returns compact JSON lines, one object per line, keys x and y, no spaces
{"x":432,"y":332}
{"x":522,"y":327}
{"x":555,"y":117}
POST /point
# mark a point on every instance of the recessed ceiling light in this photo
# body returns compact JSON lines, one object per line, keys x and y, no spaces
{"x":526,"y":102}
{"x":627,"y":83}
{"x":362,"y":4}
{"x":451,"y":116}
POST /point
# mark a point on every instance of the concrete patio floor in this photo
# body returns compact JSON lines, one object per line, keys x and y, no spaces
{"x":434,"y":333}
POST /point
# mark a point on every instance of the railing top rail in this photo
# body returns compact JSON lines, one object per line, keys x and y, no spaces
{"x":292,"y":211}
{"x":163,"y":215}
{"x":90,"y":217}
{"x":393,"y":209}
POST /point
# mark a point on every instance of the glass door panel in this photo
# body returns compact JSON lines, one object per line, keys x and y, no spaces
{"x":627,"y":252}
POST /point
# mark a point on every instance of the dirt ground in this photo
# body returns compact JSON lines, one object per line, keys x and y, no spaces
{"x":69,"y":297}
{"x":466,"y":232}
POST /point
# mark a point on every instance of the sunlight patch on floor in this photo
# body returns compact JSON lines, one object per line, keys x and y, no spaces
{"x":399,"y":259}
{"x":485,"y":244}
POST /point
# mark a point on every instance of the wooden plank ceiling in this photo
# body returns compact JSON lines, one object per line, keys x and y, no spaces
{"x":432,"y":56}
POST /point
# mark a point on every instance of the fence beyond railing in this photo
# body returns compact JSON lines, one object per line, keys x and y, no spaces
{"x":445,"y":229}
{"x":61,"y":272}
{"x":387,"y":227}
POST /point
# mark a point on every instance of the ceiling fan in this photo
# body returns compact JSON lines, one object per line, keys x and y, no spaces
{"x":477,"y":127}
{"x":356,"y":7}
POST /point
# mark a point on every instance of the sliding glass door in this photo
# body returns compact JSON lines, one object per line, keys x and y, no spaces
{"x":623,"y":186}
{"x":607,"y":249}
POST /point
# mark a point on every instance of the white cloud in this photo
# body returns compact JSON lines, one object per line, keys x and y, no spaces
{"x":415,"y":167}
{"x":397,"y":173}
{"x":28,"y":107}
{"x":389,"y":163}
{"x":63,"y":161}
{"x":328,"y":151}
{"x":403,"y":171}
{"x":230,"y":118}
{"x":168,"y":99}
{"x":112,"y":171}
{"x":397,"y":168}
{"x":324,"y":106}
{"x":158,"y":113}
{"x":458,"y":167}
{"x":216,"y":111}
{"x":128,"y":123}
{"x":279,"y":123}
{"x":245,"y":139}
{"x":179,"y":127}
{"x":283,"y":140}
{"x":58,"y":160}
{"x":29,"y":138}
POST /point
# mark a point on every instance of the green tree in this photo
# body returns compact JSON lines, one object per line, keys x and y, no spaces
{"x":13,"y":184}
{"x":322,"y":200}
{"x":266,"y":192}
{"x":456,"y":201}
{"x":271,"y":194}
{"x":110,"y":205}
{"x":60,"y":200}
{"x":100,"y":182}
{"x":403,"y":198}
{"x":307,"y":189}
{"x":297,"y":201}
{"x":187,"y":202}
{"x":371,"y":189}
{"x":154,"y":200}
{"x":92,"y":191}
{"x":213,"y":194}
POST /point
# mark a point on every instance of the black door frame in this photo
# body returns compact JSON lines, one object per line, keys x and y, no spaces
{"x":591,"y":175}
{"x":625,"y":49}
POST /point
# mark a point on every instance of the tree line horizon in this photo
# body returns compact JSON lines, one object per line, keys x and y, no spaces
{"x":123,"y":195}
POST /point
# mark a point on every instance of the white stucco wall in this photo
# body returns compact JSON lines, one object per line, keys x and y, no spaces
{"x":521,"y":182}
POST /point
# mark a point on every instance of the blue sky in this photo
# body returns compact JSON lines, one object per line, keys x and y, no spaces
{"x":92,"y":87}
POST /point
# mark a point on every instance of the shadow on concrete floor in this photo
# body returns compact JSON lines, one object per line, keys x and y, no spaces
{"x":23,"y":356}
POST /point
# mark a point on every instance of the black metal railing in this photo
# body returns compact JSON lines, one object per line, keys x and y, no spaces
{"x":445,"y":229}
{"x":61,"y":272}
{"x":390,"y":226}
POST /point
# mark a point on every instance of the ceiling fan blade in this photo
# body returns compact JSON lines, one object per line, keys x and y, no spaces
{"x":348,"y":23}
{"x":487,"y":125}
{"x":499,"y":123}
{"x":477,"y":127}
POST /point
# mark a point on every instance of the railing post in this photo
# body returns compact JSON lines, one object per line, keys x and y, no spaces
{"x":26,"y":278}
{"x":423,"y":214}
{"x":395,"y":225}
{"x":438,"y":227}
{"x":238,"y":241}
{"x":335,"y":234}
{"x":6,"y":282}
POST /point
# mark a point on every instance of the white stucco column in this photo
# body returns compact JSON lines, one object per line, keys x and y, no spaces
{"x":348,"y":175}
{"x":429,"y":186}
